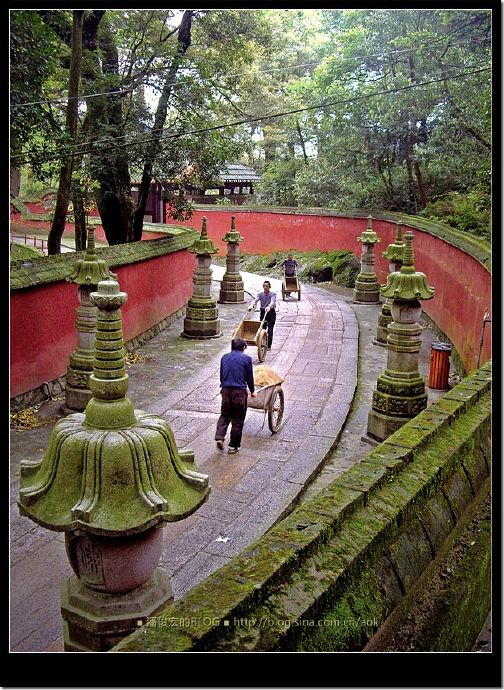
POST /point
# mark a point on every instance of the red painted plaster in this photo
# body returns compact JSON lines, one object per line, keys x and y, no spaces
{"x":462,"y":284}
{"x":43,"y":333}
{"x":42,"y":320}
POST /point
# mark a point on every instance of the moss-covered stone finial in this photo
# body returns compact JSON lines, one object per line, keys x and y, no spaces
{"x":232,"y":235}
{"x":112,"y":471}
{"x":369,"y":236}
{"x":395,"y":250}
{"x":90,"y":270}
{"x":203,"y":245}
{"x":407,"y":284}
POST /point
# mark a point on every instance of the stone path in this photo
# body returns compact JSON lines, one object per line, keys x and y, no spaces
{"x":315,"y":349}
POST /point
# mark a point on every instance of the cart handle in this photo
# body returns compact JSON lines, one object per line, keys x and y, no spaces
{"x":250,"y":311}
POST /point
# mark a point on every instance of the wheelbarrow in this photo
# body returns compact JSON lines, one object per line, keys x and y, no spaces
{"x":290,"y":284}
{"x":270,"y":399}
{"x":253,"y":333}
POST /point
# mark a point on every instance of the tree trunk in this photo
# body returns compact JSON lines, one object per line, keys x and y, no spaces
{"x":420,"y":184}
{"x":58,"y":223}
{"x":411,"y":186}
{"x":184,"y":41}
{"x":80,"y":217}
{"x":15,"y":179}
{"x":111,"y":168}
{"x":302,"y":141}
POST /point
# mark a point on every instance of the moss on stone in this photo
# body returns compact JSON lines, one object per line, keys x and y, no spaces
{"x":306,"y":565}
{"x":351,"y":623}
{"x":49,"y":269}
{"x":20,"y":252}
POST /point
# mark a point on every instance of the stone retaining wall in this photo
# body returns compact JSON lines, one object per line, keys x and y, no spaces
{"x":330,"y":575}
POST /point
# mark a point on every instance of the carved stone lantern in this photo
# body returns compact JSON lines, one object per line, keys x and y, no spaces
{"x":88,"y":273}
{"x":400,"y":394}
{"x":202,"y":315}
{"x":367,"y":290}
{"x":109,"y":479}
{"x":395,"y":254}
{"x":231,"y":291}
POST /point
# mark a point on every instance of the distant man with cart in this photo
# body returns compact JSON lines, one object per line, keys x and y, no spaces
{"x":267,"y":301}
{"x":290,"y":267}
{"x":236,"y":375}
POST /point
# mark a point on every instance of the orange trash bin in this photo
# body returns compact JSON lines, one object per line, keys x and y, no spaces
{"x":439,"y":365}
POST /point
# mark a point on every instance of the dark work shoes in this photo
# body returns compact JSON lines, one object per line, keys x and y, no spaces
{"x":220,"y":444}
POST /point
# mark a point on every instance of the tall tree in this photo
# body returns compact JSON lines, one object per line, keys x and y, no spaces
{"x":183,"y":43}
{"x":63,"y":195}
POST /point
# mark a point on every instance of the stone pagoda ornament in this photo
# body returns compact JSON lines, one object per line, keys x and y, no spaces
{"x":367,"y":290}
{"x":202,"y":315}
{"x":231,"y":291}
{"x":88,"y":273}
{"x":394,"y":254}
{"x":110,"y":478}
{"x":400,"y":393}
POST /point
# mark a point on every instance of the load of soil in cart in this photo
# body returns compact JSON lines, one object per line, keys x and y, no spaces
{"x":265,"y":376}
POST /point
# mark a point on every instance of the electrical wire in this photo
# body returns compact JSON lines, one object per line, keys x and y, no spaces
{"x":182,"y":82}
{"x":80,"y":152}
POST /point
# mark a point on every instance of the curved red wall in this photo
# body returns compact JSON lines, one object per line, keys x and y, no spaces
{"x":42,"y":319}
{"x":462,"y":283}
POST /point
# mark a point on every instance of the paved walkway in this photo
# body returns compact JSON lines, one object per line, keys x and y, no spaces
{"x":315,"y":348}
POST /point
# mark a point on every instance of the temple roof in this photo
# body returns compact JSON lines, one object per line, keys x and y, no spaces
{"x":236,"y":172}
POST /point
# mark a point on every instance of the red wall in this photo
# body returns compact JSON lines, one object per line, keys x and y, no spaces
{"x":42,"y":334}
{"x":462,"y":283}
{"x":42,"y":324}
{"x":42,"y":319}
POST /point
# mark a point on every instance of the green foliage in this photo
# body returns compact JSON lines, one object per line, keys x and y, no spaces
{"x":277,"y":186}
{"x":465,"y":212}
{"x":382,"y":137}
{"x":340,"y":267}
{"x":35,"y":51}
{"x":223,"y":201}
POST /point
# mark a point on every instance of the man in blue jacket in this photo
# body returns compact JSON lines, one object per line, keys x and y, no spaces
{"x":236,"y":374}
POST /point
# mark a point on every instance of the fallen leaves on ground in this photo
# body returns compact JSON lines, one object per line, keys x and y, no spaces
{"x":132,"y":358}
{"x":28,"y":419}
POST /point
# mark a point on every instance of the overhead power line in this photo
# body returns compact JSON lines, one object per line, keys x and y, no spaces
{"x":80,"y":152}
{"x":182,"y":82}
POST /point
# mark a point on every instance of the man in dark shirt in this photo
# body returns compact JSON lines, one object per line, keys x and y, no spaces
{"x":290,"y":266}
{"x":236,"y":374}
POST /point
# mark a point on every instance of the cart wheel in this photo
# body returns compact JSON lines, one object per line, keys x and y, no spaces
{"x":263,"y":346}
{"x":299,"y":294}
{"x":276,"y":410}
{"x":283,"y":294}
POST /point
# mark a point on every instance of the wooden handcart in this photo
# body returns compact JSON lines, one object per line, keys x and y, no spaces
{"x":253,"y":333}
{"x":270,"y":399}
{"x":291,"y":284}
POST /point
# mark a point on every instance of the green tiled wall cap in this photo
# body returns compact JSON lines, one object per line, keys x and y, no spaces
{"x":369,"y":236}
{"x":407,"y":284}
{"x":203,"y":245}
{"x":111,"y":470}
{"x":395,"y":251}
{"x":232,"y":235}
{"x":90,"y":270}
